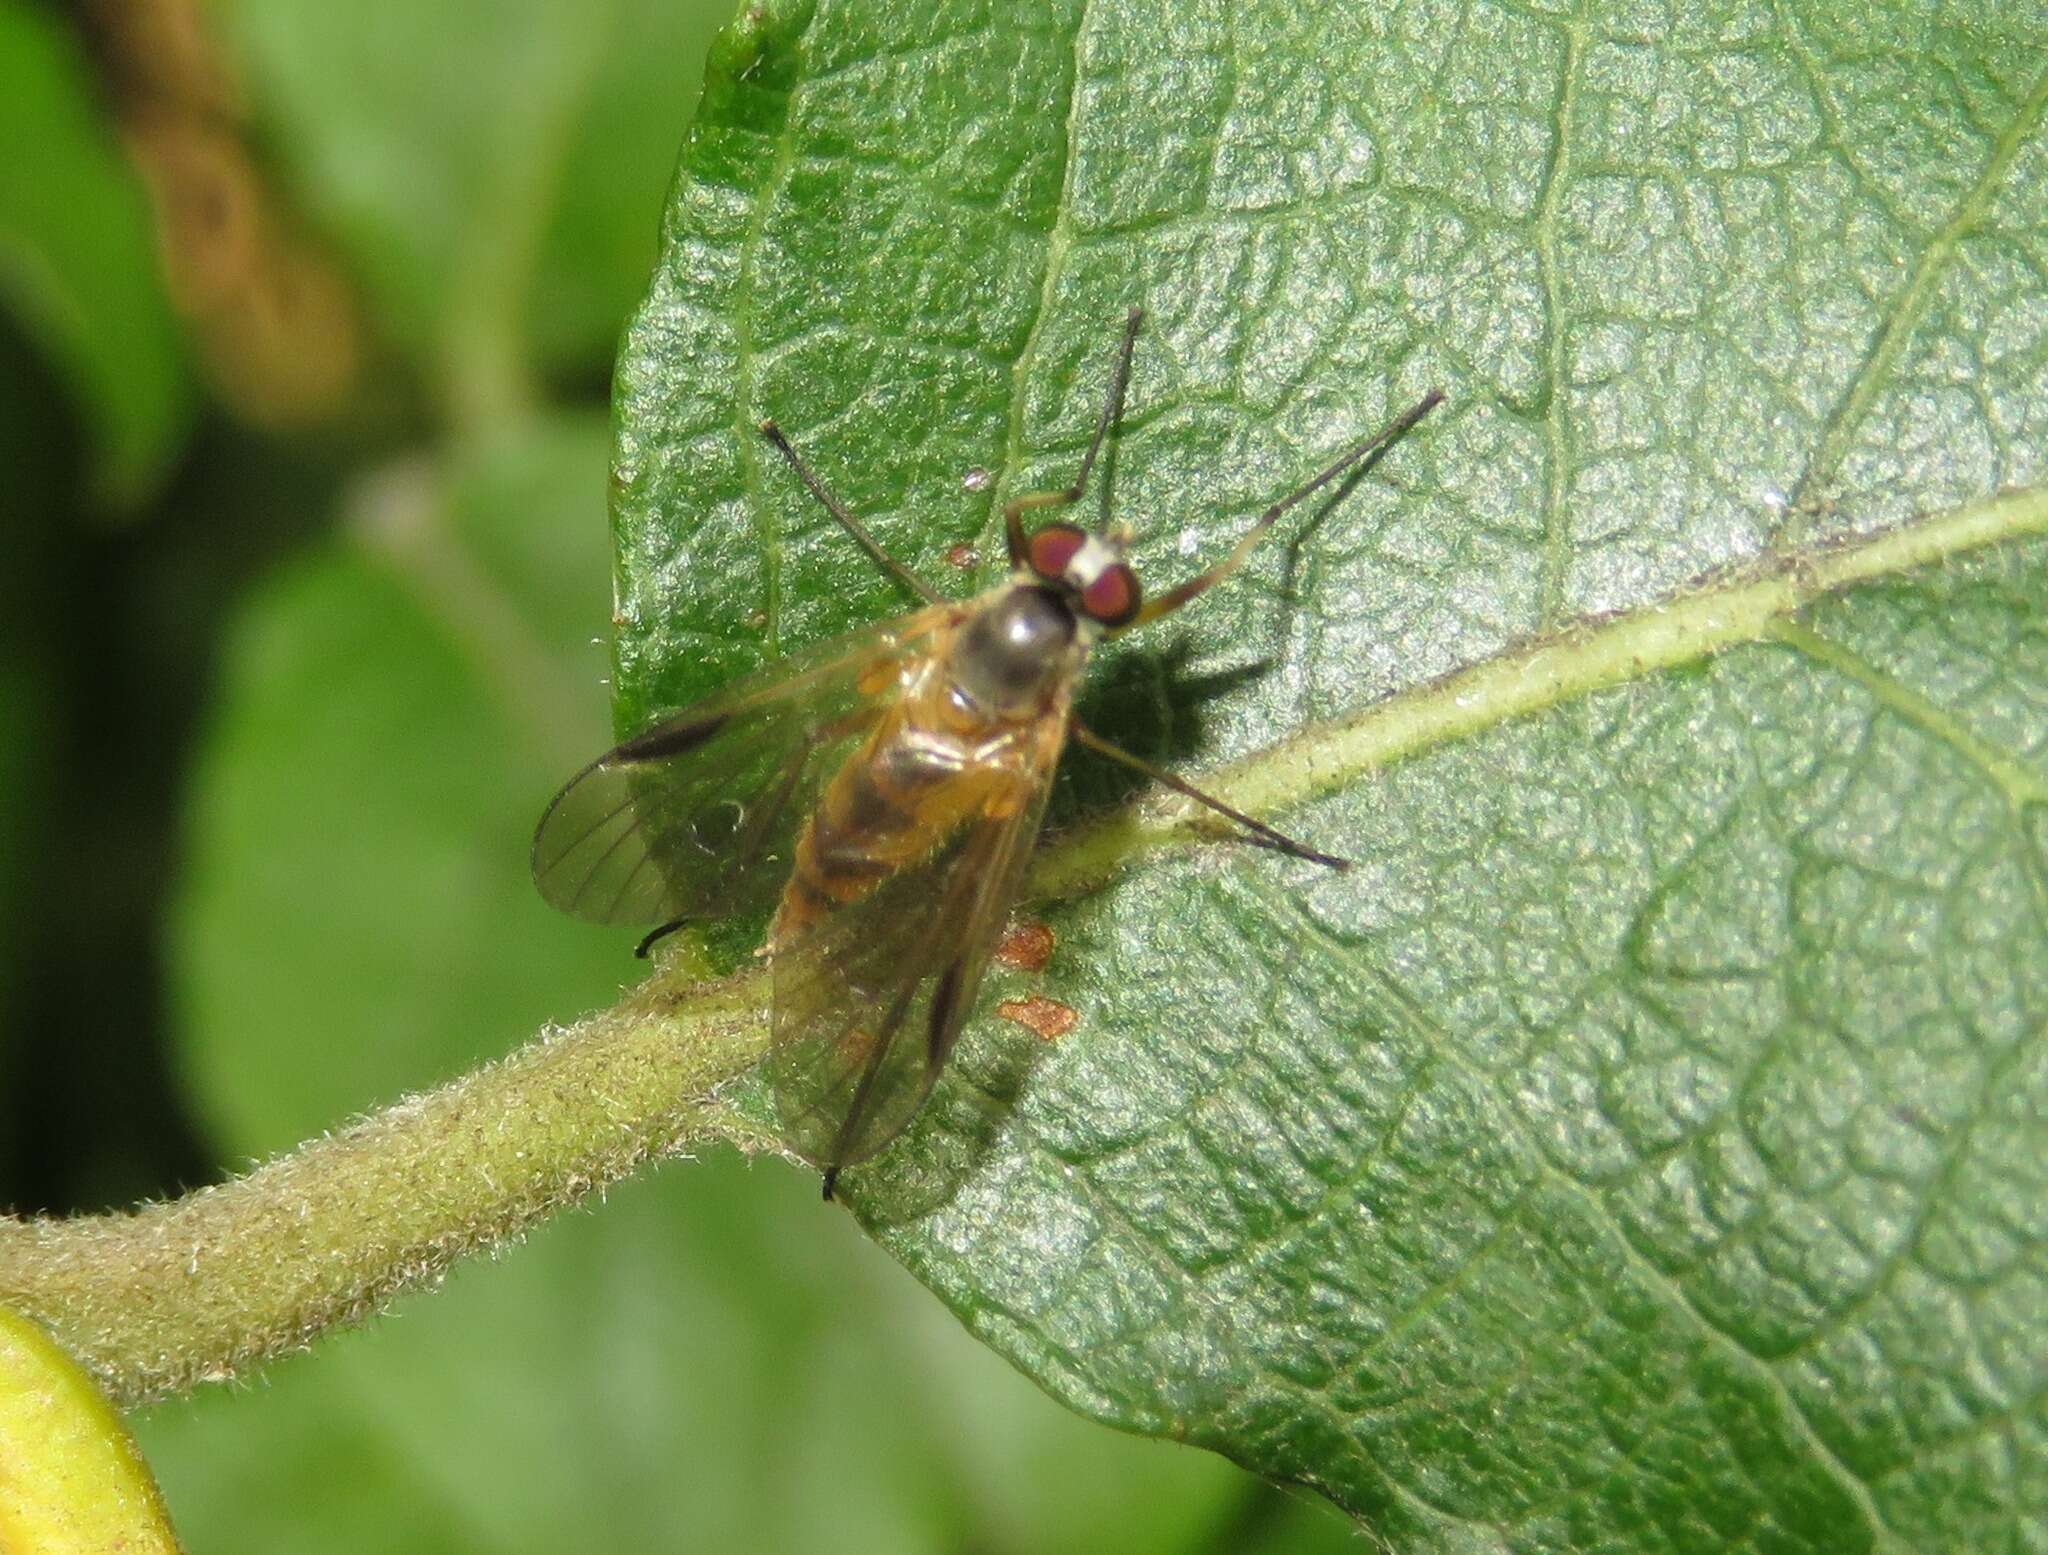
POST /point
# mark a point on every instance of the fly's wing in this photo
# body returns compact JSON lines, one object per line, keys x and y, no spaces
{"x":696,"y":817}
{"x":869,"y":1000}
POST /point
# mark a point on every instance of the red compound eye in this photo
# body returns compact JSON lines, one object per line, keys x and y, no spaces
{"x":1113,"y":597}
{"x":1052,"y":548}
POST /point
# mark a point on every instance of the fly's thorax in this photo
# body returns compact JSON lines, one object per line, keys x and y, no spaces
{"x":1013,"y":654}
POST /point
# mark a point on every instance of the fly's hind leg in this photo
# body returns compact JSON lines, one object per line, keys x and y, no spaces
{"x":1112,"y":409}
{"x":1258,"y":833}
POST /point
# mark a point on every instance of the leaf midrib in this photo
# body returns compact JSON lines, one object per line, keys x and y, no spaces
{"x":1723,"y":611}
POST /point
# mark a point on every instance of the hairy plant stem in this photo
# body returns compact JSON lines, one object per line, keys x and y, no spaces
{"x":200,"y":1288}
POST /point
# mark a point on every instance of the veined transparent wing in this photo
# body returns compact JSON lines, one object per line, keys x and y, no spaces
{"x":869,"y":1000}
{"x":696,"y":816}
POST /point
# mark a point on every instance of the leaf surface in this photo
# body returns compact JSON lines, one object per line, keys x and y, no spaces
{"x":1641,"y":1149}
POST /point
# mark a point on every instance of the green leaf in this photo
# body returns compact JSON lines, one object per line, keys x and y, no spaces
{"x":78,"y":259}
{"x":1641,"y":1148}
{"x":712,"y":1357}
{"x":491,"y":170}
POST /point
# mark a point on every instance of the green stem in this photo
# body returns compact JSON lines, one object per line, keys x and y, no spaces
{"x":211,"y":1284}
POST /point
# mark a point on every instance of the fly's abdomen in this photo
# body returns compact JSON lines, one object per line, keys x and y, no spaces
{"x":893,"y":800}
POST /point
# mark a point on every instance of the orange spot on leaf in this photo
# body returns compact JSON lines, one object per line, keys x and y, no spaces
{"x":963,"y":556}
{"x":1026,"y":947}
{"x":1049,"y":1018}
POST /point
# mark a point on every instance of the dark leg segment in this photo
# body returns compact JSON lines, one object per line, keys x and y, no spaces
{"x":1112,"y":408}
{"x":1261,"y":835}
{"x":844,"y":514}
{"x":656,"y":935}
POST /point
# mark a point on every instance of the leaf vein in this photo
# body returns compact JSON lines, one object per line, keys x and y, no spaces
{"x":2005,"y":770}
{"x":746,"y":416}
{"x":1556,"y":431}
{"x":1601,"y":1215}
{"x":1058,"y":241}
{"x":1911,"y":303}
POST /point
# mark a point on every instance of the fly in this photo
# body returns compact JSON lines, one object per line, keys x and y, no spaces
{"x":879,"y":795}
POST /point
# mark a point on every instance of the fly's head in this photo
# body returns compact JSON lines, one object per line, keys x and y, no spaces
{"x":1087,"y":570}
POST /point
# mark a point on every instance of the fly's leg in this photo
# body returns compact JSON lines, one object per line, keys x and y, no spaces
{"x":656,"y":935}
{"x":1352,"y":463}
{"x":1112,"y":408}
{"x":844,"y":514}
{"x":1259,"y":833}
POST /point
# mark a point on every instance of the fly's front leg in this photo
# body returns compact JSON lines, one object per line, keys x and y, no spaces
{"x":1112,"y":408}
{"x":844,"y":514}
{"x":1347,"y":466}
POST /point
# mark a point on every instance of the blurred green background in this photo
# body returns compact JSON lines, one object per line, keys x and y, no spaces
{"x":306,"y":321}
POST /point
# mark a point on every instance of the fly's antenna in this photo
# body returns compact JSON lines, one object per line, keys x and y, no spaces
{"x":1112,"y":411}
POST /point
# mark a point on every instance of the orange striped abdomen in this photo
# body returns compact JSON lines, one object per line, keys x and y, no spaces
{"x":895,"y":799}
